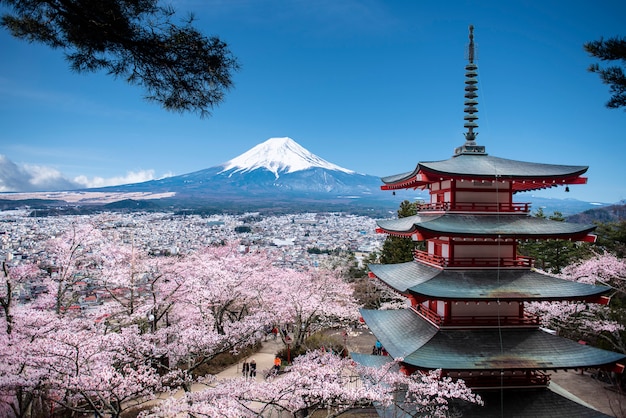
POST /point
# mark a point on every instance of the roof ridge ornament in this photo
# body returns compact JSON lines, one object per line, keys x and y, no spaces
{"x":470,"y":110}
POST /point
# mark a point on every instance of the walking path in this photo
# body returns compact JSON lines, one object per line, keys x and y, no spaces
{"x":264,"y":360}
{"x":584,"y":389}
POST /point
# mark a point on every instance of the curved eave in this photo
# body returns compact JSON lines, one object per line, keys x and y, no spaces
{"x":523,"y":175}
{"x":405,"y":334}
{"x":430,"y":283}
{"x":538,"y":184}
{"x":403,"y":276}
{"x":507,"y":349}
{"x":484,"y":226}
{"x":400,"y":331}
{"x":491,"y":167}
{"x":541,"y":402}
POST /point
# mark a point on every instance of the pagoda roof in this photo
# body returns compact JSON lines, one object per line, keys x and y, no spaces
{"x":517,"y":403}
{"x":541,"y":402}
{"x":486,"y":284}
{"x":466,"y":225}
{"x":525,"y":175}
{"x":406,"y":334}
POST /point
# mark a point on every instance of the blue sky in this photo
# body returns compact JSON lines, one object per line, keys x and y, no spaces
{"x":372,"y":86}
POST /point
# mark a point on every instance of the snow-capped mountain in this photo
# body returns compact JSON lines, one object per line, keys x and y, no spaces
{"x":279,"y":155}
{"x":277,"y":175}
{"x":277,"y":172}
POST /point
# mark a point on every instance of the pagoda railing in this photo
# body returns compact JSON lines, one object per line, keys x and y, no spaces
{"x":490,"y":321}
{"x":468,"y":321}
{"x":475,"y":207}
{"x":497,"y":379}
{"x":472,"y":262}
{"x":428,"y":314}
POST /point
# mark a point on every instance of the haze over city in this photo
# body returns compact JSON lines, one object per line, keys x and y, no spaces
{"x":370,"y":86}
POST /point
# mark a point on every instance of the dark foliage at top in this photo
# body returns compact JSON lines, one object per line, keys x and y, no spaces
{"x":613,"y":49}
{"x":178,"y":67}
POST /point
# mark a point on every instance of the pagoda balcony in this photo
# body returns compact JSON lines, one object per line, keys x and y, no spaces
{"x":474,"y":207}
{"x":491,"y":321}
{"x":428,"y":314}
{"x":496,"y":380}
{"x":472,"y":262}
{"x":472,"y":321}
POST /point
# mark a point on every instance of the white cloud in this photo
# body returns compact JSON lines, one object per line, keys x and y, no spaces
{"x":35,"y":178}
{"x":130,"y":177}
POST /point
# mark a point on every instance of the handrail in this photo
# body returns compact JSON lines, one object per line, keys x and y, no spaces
{"x":476,"y":320}
{"x":471,"y":262}
{"x":429,"y":314}
{"x":486,"y":379}
{"x":475,"y":207}
{"x":494,"y":320}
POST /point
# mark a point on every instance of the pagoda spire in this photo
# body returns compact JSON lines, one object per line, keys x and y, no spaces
{"x":470,"y":110}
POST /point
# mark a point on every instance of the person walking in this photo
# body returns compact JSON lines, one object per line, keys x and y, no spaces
{"x":277,"y":363}
{"x":253,"y":368}
{"x":245,"y":369}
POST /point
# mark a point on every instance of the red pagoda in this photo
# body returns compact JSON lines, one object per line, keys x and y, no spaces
{"x":468,"y":288}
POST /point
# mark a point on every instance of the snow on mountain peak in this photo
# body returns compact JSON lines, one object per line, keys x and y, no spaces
{"x":279,"y":155}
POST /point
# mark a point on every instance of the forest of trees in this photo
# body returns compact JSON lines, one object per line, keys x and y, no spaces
{"x":162,"y":318}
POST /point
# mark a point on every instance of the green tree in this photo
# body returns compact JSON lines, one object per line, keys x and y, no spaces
{"x":613,"y":49}
{"x":612,"y":237}
{"x":176,"y":65}
{"x":399,"y":249}
{"x":553,"y":255}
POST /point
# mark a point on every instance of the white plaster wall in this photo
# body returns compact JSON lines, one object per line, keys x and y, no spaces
{"x":502,"y":250}
{"x":484,"y":309}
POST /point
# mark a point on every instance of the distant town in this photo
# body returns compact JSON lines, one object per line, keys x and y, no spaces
{"x":295,"y":241}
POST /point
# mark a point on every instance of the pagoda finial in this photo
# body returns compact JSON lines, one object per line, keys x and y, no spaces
{"x":470,"y":110}
{"x":471,"y":44}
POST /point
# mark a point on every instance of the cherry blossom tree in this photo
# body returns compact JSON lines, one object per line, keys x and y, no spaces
{"x":57,"y":357}
{"x":24,"y":379}
{"x":162,"y":318}
{"x":320,"y":381}
{"x":72,"y":257}
{"x":220,"y":308}
{"x":606,"y":269}
{"x":309,"y":301}
{"x":20,"y":384}
{"x":589,"y":321}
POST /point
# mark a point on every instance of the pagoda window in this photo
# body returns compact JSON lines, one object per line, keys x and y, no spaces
{"x":440,"y":195}
{"x":445,"y":250}
{"x":483,"y":250}
{"x":437,"y":306}
{"x":482,"y":195}
{"x":463,"y":312}
{"x":441,"y":308}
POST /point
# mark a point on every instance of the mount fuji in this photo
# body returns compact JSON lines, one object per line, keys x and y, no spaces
{"x":278,"y":176}
{"x":278,"y":173}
